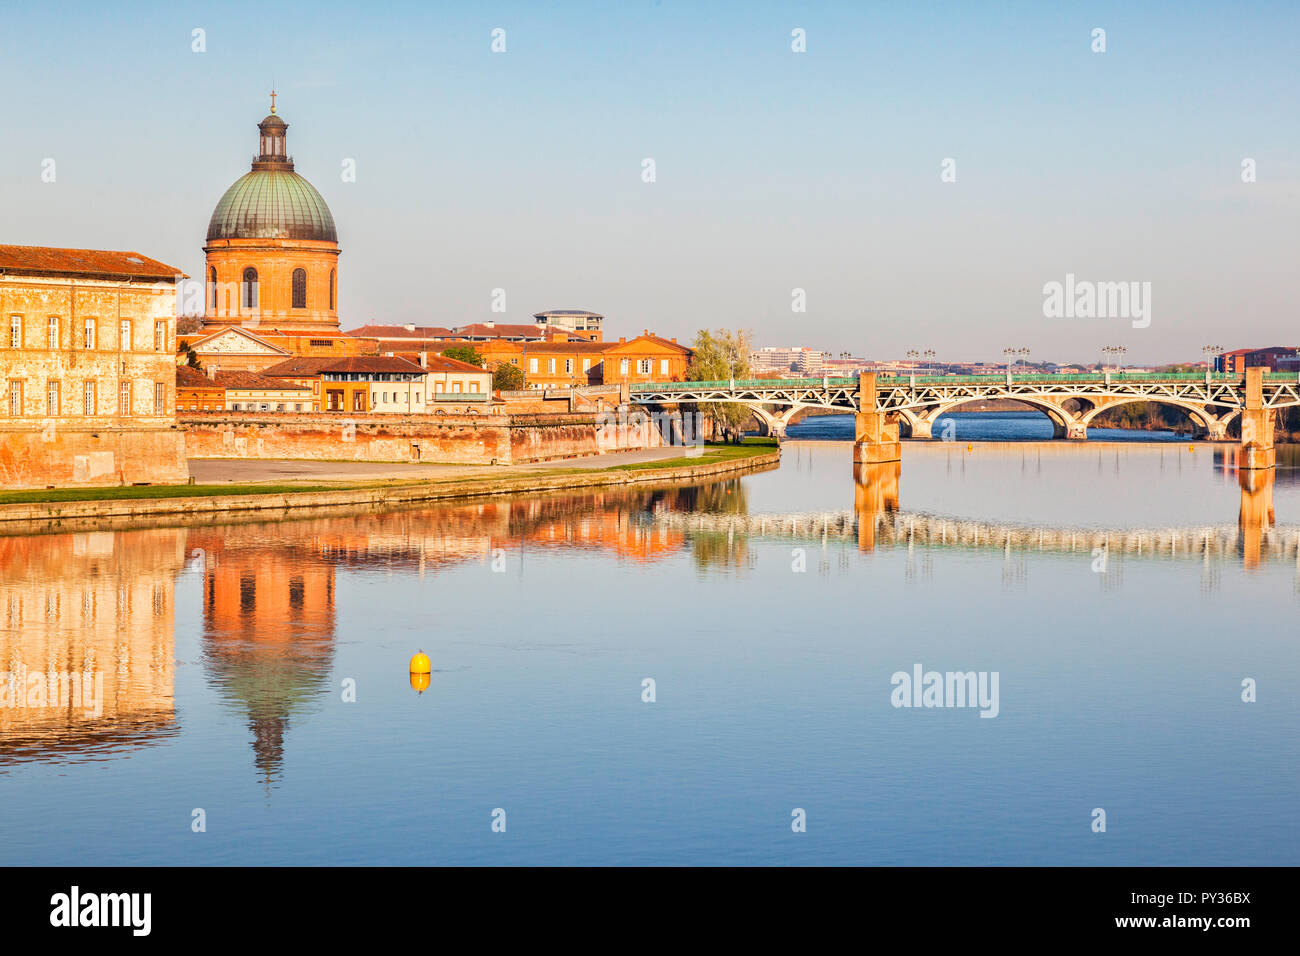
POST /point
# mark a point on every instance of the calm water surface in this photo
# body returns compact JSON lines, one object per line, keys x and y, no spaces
{"x":226,"y":653}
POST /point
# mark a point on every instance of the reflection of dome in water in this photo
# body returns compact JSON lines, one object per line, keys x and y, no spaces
{"x":268,"y":639}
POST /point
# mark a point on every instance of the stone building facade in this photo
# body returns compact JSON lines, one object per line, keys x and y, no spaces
{"x":87,"y":369}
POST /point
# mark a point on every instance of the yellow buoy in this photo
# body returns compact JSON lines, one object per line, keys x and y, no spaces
{"x":420,"y":663}
{"x":420,"y":682}
{"x":968,"y":447}
{"x":1191,"y":448}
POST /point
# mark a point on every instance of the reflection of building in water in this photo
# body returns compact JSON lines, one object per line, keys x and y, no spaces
{"x":268,"y":635}
{"x":87,"y":643}
{"x":269,"y":590}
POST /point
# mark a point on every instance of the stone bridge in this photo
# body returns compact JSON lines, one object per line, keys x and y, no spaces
{"x":887,"y":406}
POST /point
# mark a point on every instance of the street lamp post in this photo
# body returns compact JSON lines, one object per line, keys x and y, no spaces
{"x":1212,"y":353}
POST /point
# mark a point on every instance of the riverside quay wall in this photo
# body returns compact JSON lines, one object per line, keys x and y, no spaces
{"x":455,"y":439}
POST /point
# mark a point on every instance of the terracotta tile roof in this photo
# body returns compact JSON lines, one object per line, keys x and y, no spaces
{"x":187,"y":377}
{"x":498,"y":329}
{"x":401,"y":332}
{"x":84,"y":262}
{"x":573,"y":345}
{"x":372,"y":363}
{"x":440,"y":363}
{"x":254,"y":380}
{"x":301,"y":367}
{"x":538,"y":315}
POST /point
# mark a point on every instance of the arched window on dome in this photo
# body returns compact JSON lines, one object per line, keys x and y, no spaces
{"x":248,"y":290}
{"x":332,"y":305}
{"x":212,"y":290}
{"x":300,"y":288}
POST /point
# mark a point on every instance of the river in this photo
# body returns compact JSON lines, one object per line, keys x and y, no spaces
{"x":254,"y":702}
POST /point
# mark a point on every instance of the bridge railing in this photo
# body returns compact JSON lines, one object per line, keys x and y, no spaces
{"x":895,"y":380}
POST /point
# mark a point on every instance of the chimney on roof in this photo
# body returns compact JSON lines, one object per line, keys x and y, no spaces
{"x":645,"y":331}
{"x":621,"y":339}
{"x":489,"y":325}
{"x":212,"y":372}
{"x":409,"y":328}
{"x":424,"y":359}
{"x":674,"y":341}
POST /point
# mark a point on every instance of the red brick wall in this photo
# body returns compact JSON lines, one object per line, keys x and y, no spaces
{"x":473,"y":440}
{"x":70,"y":457}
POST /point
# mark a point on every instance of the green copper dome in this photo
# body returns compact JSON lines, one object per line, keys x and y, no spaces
{"x":272,"y":204}
{"x":272,"y":201}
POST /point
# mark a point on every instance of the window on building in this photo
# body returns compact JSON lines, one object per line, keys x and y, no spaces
{"x":53,"y":337}
{"x":88,"y":398}
{"x":124,"y":399}
{"x":88,"y":333}
{"x":332,"y":306}
{"x":586,"y":365}
{"x":248,"y":289}
{"x":264,"y":407}
{"x":374,"y":398}
{"x":160,"y":336}
{"x":358,"y":401}
{"x":663,"y":366}
{"x":15,"y":331}
{"x":300,"y":288}
{"x":622,"y":366}
{"x":643,"y":367}
{"x":568,"y":366}
{"x":52,"y":398}
{"x":159,"y":398}
{"x":550,"y":366}
{"x":322,"y":343}
{"x":15,"y":399}
{"x":279,"y":407}
{"x":455,"y":387}
{"x":532,"y":365}
{"x":124,"y":335}
{"x":473,"y":386}
{"x":212,"y":290}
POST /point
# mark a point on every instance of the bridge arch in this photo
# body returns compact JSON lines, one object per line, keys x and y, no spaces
{"x":1214,"y":426}
{"x":1065,"y":424}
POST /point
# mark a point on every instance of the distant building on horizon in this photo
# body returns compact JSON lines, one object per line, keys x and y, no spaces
{"x":787,"y":359}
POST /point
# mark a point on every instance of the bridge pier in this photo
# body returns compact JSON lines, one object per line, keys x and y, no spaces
{"x":875,"y":437}
{"x":1257,"y":451}
{"x":922,"y":428}
{"x":1076,"y":431}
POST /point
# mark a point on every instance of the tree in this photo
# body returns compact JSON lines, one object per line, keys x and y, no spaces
{"x":191,"y":356}
{"x":507,"y":377}
{"x":464,"y":353}
{"x":719,"y":355}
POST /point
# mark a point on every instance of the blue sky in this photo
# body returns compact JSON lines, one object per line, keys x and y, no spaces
{"x":775,"y":170}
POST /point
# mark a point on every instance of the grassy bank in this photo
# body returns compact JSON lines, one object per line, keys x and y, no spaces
{"x":712,"y":454}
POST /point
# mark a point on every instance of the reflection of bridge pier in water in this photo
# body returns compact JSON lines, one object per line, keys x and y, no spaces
{"x":875,"y":493}
{"x":1256,"y":515}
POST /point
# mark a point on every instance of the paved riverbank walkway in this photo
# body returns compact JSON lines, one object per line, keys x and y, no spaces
{"x":216,"y":471}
